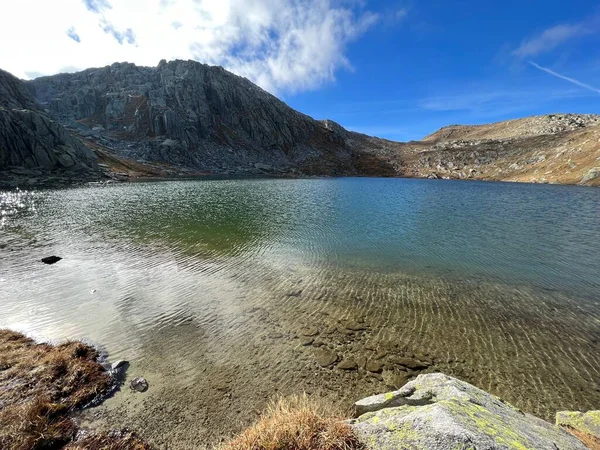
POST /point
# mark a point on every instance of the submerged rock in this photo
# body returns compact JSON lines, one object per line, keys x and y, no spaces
{"x":374,"y":366}
{"x":348,"y":364}
{"x":438,"y":412}
{"x":139,"y":384}
{"x":395,"y":379}
{"x":410,"y":363}
{"x":51,"y":259}
{"x":325,"y":357}
{"x":306,"y":341}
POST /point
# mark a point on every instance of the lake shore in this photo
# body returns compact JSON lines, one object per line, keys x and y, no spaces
{"x":42,"y":386}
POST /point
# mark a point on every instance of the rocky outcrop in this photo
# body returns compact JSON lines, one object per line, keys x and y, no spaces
{"x":438,"y":412}
{"x":33,"y":145}
{"x":196,"y":116}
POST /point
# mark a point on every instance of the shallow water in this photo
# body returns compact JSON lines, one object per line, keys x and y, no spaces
{"x":207,"y":287}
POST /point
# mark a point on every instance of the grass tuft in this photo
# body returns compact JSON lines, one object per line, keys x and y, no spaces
{"x":296,"y":423}
{"x":591,"y":442}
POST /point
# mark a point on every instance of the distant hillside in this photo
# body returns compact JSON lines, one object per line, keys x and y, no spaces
{"x":196,"y":116}
{"x":518,"y":128}
{"x":557,"y":148}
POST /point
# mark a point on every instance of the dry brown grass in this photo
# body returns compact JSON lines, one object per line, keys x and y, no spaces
{"x":296,"y":423}
{"x":39,"y":385}
{"x":591,"y":442}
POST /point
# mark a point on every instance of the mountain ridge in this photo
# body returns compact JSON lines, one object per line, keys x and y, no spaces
{"x":184,"y":117}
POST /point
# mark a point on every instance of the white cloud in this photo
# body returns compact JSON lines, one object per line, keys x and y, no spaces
{"x":550,"y":39}
{"x":400,"y":14}
{"x":282,"y":45}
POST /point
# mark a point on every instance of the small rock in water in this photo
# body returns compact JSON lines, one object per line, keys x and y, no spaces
{"x":139,"y":384}
{"x":306,"y":341}
{"x":374,"y":366}
{"x":355,"y":326}
{"x":395,"y":379}
{"x":348,"y":364}
{"x":51,"y":259}
{"x":361,"y":361}
{"x":325,"y":357}
{"x":311,"y":331}
{"x":410,"y":363}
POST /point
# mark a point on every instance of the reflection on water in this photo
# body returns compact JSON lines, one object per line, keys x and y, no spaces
{"x":208,"y":288}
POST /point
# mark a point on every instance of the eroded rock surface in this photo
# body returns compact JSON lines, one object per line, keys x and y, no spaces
{"x":31,"y":144}
{"x":438,"y":412}
{"x":197,"y":116}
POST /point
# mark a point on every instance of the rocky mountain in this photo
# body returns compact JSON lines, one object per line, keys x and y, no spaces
{"x":187,"y":118}
{"x":31,"y":144}
{"x":556,"y":148}
{"x":196,"y":116}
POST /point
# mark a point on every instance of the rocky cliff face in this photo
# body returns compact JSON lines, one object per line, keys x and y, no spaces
{"x":33,"y":145}
{"x":193,"y":115}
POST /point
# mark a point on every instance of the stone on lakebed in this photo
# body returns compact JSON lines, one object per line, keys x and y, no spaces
{"x":51,"y":259}
{"x":139,"y":384}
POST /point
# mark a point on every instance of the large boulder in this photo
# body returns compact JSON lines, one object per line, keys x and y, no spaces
{"x":438,"y":412}
{"x":591,"y":175}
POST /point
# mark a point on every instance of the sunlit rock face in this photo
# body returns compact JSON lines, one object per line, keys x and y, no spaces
{"x":436,"y":411}
{"x":192,"y":114}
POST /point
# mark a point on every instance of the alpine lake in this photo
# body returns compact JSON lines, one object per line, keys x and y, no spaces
{"x":226,"y":293}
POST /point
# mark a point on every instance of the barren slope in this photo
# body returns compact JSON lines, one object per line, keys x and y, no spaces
{"x":558,"y":148}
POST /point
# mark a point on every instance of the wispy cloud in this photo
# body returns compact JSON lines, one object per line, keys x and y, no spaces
{"x":564,"y":77}
{"x":97,"y":6}
{"x":73,"y":34}
{"x":120,"y":36}
{"x":492,"y":101}
{"x":400,"y":14}
{"x":549,"y":40}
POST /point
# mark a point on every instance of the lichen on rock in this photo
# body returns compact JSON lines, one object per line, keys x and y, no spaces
{"x":438,"y":412}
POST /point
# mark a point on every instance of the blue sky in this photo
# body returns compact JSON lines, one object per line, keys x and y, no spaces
{"x":458,"y":62}
{"x":395,"y":69}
